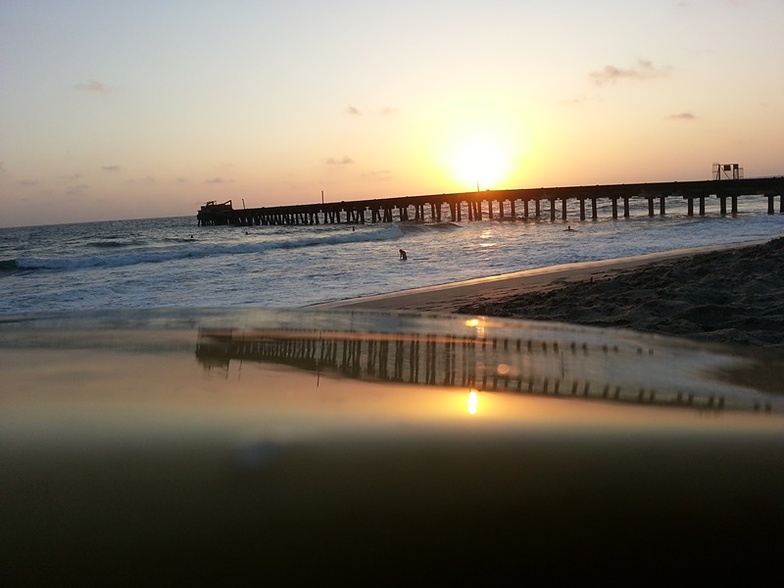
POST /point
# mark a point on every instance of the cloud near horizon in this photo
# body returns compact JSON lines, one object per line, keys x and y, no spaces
{"x":111,"y":168}
{"x":218,"y":181}
{"x":345,"y":160}
{"x":643,"y":70}
{"x":93,"y":86}
{"x":682,"y":116}
{"x":380,"y":175}
{"x":383,"y":111}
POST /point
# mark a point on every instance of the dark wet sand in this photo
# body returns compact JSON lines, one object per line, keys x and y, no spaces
{"x":732,"y":296}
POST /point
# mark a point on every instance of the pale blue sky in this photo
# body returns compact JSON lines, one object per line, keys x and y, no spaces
{"x":141,"y":109}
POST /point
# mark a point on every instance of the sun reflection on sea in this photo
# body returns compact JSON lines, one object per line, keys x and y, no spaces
{"x":473,"y":401}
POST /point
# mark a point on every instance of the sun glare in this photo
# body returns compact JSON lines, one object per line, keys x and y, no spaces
{"x":480,"y":161}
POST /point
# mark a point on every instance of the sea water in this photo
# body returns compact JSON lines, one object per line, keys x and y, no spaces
{"x":172,"y":262}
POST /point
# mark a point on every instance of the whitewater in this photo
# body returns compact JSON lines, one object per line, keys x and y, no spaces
{"x":172,"y":262}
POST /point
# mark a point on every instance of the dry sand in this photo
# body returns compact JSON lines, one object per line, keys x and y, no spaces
{"x":727,"y":293}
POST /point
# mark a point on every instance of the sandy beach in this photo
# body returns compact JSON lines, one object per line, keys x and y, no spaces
{"x":726,"y":293}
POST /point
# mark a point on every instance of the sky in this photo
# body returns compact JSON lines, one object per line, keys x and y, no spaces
{"x":119,"y":110}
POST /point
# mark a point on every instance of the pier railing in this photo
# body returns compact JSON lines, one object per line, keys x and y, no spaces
{"x":522,"y":203}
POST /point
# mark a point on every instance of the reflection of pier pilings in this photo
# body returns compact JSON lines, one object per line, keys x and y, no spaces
{"x":531,"y":366}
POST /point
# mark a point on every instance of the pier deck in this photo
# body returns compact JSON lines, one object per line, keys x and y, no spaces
{"x":523,"y":203}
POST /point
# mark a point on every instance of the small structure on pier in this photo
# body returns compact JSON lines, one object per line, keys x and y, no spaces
{"x":216,"y":214}
{"x":727,"y":171}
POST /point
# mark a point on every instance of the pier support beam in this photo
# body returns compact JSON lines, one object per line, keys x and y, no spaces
{"x":625,"y":207}
{"x":563,"y":208}
{"x":770,"y":204}
{"x":552,"y":209}
{"x":594,"y":209}
{"x":582,"y":209}
{"x":614,"y":207}
{"x":537,"y":211}
{"x":662,"y":200}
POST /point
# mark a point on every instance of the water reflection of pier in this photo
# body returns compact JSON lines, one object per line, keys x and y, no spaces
{"x":523,"y":365}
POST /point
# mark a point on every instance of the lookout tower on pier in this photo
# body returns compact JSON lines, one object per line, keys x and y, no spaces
{"x":727,"y":171}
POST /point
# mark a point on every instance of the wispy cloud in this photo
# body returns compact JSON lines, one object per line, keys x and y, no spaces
{"x":148,"y":181}
{"x":111,"y":168}
{"x":642,"y":70}
{"x":383,"y":111}
{"x":578,"y":101}
{"x":682,"y":116}
{"x":380,"y":175}
{"x":218,"y":181}
{"x":93,"y":86}
{"x":77,"y":190}
{"x":27,"y":182}
{"x":345,"y":160}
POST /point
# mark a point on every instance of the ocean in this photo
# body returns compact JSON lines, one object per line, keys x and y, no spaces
{"x":172,"y":262}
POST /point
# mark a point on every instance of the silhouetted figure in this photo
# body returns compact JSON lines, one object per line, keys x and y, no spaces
{"x":403,"y":255}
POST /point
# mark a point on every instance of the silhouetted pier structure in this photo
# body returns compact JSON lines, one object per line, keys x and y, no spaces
{"x":521,"y":203}
{"x":566,"y":368}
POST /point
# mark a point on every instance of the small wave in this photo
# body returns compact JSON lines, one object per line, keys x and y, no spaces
{"x":409,"y":227}
{"x":111,"y":244}
{"x":8,"y":265}
{"x":196,"y":250}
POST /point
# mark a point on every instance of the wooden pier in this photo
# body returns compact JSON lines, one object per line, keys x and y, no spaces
{"x":521,"y":203}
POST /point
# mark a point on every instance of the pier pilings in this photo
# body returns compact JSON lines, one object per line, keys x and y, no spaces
{"x":494,"y":204}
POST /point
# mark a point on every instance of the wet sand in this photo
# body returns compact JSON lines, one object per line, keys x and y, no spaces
{"x":727,"y":293}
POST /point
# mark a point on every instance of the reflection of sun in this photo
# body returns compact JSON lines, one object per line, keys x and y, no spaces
{"x":473,"y":402}
{"x":481,"y":160}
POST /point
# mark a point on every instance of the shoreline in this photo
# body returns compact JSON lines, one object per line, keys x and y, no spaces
{"x":451,"y":296}
{"x":727,"y":293}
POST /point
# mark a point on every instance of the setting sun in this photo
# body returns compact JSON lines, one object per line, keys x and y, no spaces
{"x":480,"y":160}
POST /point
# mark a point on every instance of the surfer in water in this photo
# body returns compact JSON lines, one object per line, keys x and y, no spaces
{"x":569,"y":228}
{"x":403,"y":255}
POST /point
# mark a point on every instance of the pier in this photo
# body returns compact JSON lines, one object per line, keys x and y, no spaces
{"x":512,"y":204}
